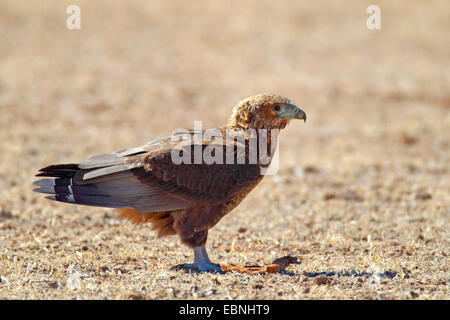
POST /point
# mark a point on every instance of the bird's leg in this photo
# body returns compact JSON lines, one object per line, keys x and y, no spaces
{"x":202,"y":262}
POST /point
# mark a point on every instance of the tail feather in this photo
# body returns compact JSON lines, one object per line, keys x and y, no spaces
{"x":59,"y":171}
{"x":68,"y":167}
{"x":62,"y":188}
{"x":52,"y":182}
{"x":88,"y":200}
{"x":68,"y":188}
{"x":109,"y":186}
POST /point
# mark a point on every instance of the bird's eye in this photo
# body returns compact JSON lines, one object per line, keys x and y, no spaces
{"x":277,"y":108}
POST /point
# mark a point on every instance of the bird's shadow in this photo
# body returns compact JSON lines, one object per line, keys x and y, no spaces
{"x":189,"y":269}
{"x":352,"y":273}
{"x":284,"y":262}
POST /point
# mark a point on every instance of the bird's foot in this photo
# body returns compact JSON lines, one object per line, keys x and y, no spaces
{"x":199,"y":267}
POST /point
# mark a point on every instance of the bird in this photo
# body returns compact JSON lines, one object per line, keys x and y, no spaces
{"x":187,"y":197}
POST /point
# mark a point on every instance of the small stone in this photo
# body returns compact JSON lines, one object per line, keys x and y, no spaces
{"x":322,"y":280}
{"x":329,"y":196}
{"x":104,"y":269}
{"x":5,"y":214}
{"x":311,"y":170}
{"x":353,"y":196}
{"x":423,"y":195}
{"x":409,"y":139}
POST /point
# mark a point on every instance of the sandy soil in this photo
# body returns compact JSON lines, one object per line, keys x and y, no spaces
{"x":362,"y":198}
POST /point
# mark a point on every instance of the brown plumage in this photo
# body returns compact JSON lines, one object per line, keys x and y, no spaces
{"x":186,"y":199}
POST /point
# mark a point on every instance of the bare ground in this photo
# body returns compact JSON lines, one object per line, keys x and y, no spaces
{"x":362,"y":198}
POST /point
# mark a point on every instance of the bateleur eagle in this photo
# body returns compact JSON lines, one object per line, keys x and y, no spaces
{"x":186,"y":198}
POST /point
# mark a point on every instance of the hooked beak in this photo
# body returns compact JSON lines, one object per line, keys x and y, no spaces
{"x":290,"y":111}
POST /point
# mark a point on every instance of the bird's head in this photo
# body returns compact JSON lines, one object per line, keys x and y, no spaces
{"x":264,"y":111}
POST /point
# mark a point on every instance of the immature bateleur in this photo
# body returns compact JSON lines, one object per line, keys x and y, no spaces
{"x":186,"y":198}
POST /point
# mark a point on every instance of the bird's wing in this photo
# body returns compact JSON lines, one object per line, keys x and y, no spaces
{"x":202,"y":182}
{"x":107,"y":181}
{"x":124,"y":156}
{"x":147,"y":179}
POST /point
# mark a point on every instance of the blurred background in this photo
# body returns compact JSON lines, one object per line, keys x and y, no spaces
{"x":376,"y":146}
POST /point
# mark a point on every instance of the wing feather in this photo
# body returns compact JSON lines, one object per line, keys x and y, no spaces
{"x":107,"y":180}
{"x":199,"y":183}
{"x":145,"y":178}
